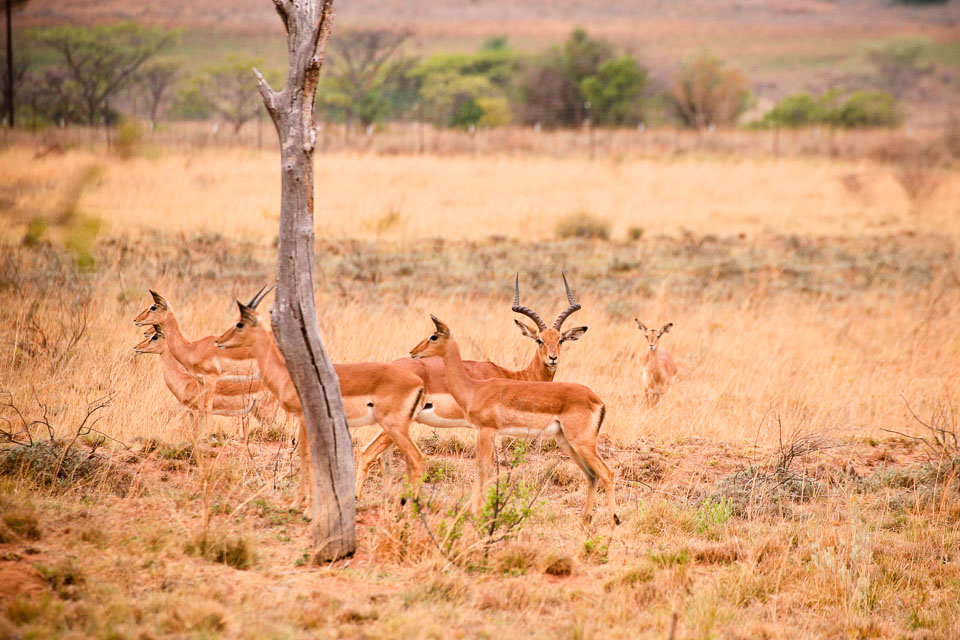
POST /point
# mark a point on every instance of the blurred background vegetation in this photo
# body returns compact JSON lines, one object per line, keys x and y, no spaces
{"x":887,"y":64}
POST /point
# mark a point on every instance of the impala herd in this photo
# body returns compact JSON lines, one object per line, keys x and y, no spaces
{"x":243,"y":372}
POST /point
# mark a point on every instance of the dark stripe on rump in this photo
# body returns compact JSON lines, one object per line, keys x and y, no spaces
{"x":603,"y":412}
{"x":416,"y":403}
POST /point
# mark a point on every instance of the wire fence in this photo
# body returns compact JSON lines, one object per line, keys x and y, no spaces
{"x":419,"y":138}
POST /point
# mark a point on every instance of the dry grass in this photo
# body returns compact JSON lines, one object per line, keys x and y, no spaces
{"x":821,"y":331}
{"x":236,"y":193}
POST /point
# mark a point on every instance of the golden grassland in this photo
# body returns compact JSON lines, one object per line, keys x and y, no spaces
{"x":236,"y":193}
{"x":815,"y":329}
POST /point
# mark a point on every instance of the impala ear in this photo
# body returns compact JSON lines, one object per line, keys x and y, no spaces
{"x":158,"y":299}
{"x":573,"y":334}
{"x":442,"y":329}
{"x":666,"y":328}
{"x":641,"y":326}
{"x":248,"y":315}
{"x":158,"y":330}
{"x":525,"y":330}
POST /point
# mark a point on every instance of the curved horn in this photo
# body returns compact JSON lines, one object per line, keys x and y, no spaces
{"x":574,"y":305}
{"x":530,"y":313}
{"x":257,"y":299}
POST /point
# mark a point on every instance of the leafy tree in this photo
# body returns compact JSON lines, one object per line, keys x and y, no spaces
{"x":156,"y":79}
{"x":897,"y":65}
{"x":231,"y":93}
{"x":97,"y":63}
{"x":707,"y":93}
{"x":858,"y":109}
{"x":616,"y":91}
{"x":192,"y":102}
{"x":868,"y":109}
{"x":801,"y":109}
{"x":552,"y":89}
{"x":360,"y":78}
{"x":466,"y":89}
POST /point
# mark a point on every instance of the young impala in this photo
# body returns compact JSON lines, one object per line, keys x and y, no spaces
{"x":570,"y":413}
{"x":658,"y":367}
{"x":372,"y":393}
{"x":233,"y":396}
{"x":442,"y":411}
{"x":200,"y":358}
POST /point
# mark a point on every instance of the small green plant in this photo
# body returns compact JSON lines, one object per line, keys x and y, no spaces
{"x":637,"y":575}
{"x":635,"y":233}
{"x":36,"y":229}
{"x":596,"y":550}
{"x":580,"y":224}
{"x":234,"y":551}
{"x":713,"y":514}
{"x":128,"y":139}
{"x":24,"y":523}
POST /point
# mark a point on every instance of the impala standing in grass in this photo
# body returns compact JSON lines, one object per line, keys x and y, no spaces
{"x":200,"y":358}
{"x":441,"y":409}
{"x":373,"y":393}
{"x":570,"y":413}
{"x":658,"y":366}
{"x":233,"y":395}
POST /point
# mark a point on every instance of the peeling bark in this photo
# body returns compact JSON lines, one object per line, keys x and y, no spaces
{"x":294,"y":317}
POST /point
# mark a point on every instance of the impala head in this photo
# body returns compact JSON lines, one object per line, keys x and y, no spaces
{"x":154,"y":341}
{"x":156,"y":313}
{"x":653,"y":335}
{"x":548,"y":339}
{"x":243,"y":334}
{"x":436,"y":342}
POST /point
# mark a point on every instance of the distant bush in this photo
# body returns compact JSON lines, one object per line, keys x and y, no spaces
{"x":868,"y":109}
{"x":858,"y":109}
{"x":581,"y":224}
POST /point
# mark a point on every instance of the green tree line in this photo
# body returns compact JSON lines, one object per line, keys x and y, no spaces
{"x":93,"y":75}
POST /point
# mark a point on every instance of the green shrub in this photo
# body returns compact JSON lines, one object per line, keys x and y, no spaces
{"x":581,"y":224}
{"x":868,"y":109}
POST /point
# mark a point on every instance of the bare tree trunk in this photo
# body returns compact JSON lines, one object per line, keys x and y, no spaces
{"x":308,"y":24}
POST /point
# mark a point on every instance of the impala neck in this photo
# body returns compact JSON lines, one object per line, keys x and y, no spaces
{"x":273,"y":368}
{"x":538,"y":370}
{"x":460,"y":385}
{"x":177,"y":345}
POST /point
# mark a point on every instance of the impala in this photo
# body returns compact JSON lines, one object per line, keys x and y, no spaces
{"x":200,"y":358}
{"x":372,"y":394}
{"x":233,"y":396}
{"x":441,"y":410}
{"x":569,"y":413}
{"x":658,"y":367}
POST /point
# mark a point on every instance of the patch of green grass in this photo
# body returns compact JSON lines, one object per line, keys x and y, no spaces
{"x":23,"y":522}
{"x":581,"y":224}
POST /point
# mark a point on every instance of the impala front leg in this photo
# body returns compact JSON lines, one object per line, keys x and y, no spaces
{"x":486,"y":445}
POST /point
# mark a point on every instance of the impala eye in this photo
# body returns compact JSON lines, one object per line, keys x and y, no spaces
{"x":561,"y":341}
{"x":539,"y":341}
{"x":239,"y":325}
{"x":155,"y":337}
{"x":153,"y":308}
{"x":433,"y":338}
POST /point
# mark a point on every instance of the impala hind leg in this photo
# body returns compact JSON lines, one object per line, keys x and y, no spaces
{"x":304,"y":499}
{"x":397,"y":429}
{"x":584,"y":452}
{"x":377,"y":447}
{"x":568,"y":449}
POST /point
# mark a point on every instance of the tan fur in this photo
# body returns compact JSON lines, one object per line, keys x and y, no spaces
{"x":566,"y":411}
{"x":395,"y":395}
{"x":200,"y":358}
{"x":658,"y":366}
{"x":231,"y":398}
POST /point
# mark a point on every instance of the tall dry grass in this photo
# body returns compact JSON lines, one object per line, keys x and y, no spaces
{"x":812,"y":361}
{"x":236,"y":193}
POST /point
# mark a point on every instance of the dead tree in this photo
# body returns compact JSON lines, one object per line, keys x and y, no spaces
{"x":308,"y":24}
